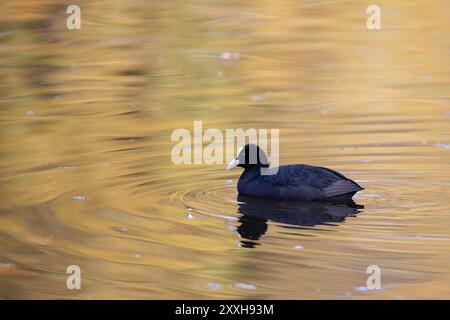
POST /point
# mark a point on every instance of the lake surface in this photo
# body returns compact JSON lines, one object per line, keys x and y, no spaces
{"x":86,"y":176}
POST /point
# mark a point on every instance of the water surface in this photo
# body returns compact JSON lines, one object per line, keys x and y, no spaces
{"x":85,"y":171}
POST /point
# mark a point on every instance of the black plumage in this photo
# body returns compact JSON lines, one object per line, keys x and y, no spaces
{"x":289,"y":182}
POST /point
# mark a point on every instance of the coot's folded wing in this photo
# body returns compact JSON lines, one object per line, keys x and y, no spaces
{"x":311,"y":182}
{"x":342,"y":185}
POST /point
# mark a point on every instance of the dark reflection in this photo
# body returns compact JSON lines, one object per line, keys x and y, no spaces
{"x":256,"y":212}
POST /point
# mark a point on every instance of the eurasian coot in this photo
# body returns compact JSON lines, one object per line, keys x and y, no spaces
{"x":290,"y":182}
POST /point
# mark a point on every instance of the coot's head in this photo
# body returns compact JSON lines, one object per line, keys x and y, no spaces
{"x":249,"y":156}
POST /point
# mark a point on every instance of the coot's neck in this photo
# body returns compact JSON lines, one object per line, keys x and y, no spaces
{"x":252,"y":171}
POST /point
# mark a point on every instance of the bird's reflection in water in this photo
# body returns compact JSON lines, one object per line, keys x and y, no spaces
{"x":256,"y":212}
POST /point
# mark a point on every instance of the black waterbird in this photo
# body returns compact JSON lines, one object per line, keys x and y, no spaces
{"x":289,"y":182}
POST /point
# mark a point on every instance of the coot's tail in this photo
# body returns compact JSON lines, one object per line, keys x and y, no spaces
{"x":342,"y":188}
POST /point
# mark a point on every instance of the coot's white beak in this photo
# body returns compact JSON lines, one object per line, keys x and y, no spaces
{"x":233,"y":163}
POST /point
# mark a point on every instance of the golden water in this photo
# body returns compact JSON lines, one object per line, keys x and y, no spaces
{"x":86,"y":176}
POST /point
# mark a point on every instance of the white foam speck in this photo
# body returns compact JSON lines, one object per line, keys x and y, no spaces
{"x":361,"y":289}
{"x":229,"y":55}
{"x":80,"y":197}
{"x":256,"y":98}
{"x":214,"y":286}
{"x":7,"y":265}
{"x":245,"y":286}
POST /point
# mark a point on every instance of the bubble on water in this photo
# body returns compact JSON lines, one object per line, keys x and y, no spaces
{"x":256,"y":98}
{"x":443,"y":146}
{"x":245,"y":286}
{"x":137,"y":255}
{"x":298,"y":247}
{"x":30,"y":113}
{"x":214,"y":286}
{"x":229,"y":55}
{"x":7,"y":265}
{"x":122,"y":229}
{"x":365,"y":161}
{"x":361,"y":289}
{"x":190,"y":216}
{"x":80,"y":197}
{"x":67,"y":167}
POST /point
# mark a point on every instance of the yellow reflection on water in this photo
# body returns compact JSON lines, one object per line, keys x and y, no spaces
{"x":86,"y":176}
